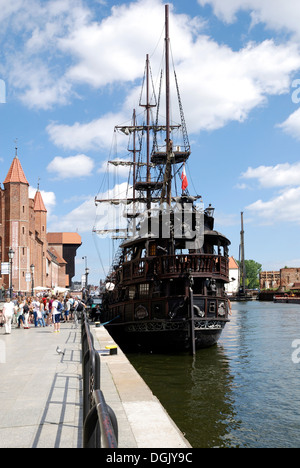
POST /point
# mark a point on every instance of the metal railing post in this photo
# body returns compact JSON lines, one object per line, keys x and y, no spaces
{"x":99,"y":420}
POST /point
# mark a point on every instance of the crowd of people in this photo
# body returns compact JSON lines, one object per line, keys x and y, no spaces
{"x":40,"y":311}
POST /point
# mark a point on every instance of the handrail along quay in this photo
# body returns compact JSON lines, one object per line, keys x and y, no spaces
{"x":100,"y":426}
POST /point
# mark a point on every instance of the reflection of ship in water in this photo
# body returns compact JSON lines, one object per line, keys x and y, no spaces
{"x":196,"y":392}
{"x":165,"y":289}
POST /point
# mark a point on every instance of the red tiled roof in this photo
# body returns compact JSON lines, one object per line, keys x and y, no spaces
{"x":39,"y":203}
{"x":16,"y":173}
{"x":59,"y":259}
{"x":232,"y":264}
{"x":64,"y":238}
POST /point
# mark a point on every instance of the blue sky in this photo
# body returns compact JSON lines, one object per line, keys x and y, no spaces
{"x":72,"y":70}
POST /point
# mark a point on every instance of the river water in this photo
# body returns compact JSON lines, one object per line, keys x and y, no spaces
{"x":245,"y":391}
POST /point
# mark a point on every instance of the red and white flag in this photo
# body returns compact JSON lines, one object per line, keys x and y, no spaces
{"x":184,"y":179}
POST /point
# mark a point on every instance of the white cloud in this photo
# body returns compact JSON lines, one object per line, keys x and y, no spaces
{"x":36,"y":85}
{"x":87,"y":216}
{"x":119,"y":170}
{"x":281,"y":175}
{"x":33,"y":65}
{"x":276,"y":14}
{"x":226,"y":85}
{"x":282,"y":208}
{"x":291,"y":125}
{"x":114,"y":50}
{"x":86,"y":136}
{"x":49,"y":198}
{"x":71,"y":167}
{"x":285,"y":205}
{"x":80,"y":219}
{"x":64,"y":46}
{"x":7,"y":9}
{"x":223,"y":86}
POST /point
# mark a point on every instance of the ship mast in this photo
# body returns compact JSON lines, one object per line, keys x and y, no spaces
{"x":167,"y":184}
{"x":168,"y":140}
{"x":148,"y":107}
{"x":242,"y":253}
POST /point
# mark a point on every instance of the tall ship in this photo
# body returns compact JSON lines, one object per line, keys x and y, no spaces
{"x":165,"y":290}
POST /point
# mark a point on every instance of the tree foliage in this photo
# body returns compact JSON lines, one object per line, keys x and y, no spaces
{"x":252,"y":274}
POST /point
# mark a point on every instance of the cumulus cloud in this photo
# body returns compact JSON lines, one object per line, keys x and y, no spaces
{"x":284,"y":207}
{"x":276,"y":14}
{"x":229,"y":84}
{"x":88,"y":216}
{"x":291,"y":125}
{"x":218,"y":84}
{"x":80,"y":219}
{"x":223,"y":86}
{"x":71,"y":167}
{"x":85,"y":136}
{"x":32,"y":67}
{"x":281,"y":175}
{"x":118,"y":169}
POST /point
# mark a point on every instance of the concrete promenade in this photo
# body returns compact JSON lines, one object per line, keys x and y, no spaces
{"x":41,"y":393}
{"x":40,"y":390}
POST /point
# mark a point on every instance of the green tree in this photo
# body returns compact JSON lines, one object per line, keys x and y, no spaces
{"x":252,"y":274}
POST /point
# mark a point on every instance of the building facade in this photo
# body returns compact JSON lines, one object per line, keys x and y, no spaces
{"x":23,"y":231}
{"x":234,"y":278}
{"x":286,"y":278}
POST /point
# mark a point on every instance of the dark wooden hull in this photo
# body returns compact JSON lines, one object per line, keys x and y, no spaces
{"x":287,"y":300}
{"x":163,"y":336}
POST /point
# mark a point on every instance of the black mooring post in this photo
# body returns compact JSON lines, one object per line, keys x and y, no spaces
{"x":192,"y":322}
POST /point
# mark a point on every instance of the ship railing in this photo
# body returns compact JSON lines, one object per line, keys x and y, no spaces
{"x":100,"y":426}
{"x":176,"y":264}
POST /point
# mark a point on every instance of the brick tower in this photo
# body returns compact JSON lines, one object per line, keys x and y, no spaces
{"x":39,"y":253}
{"x":16,"y":222}
{"x":23,"y":227}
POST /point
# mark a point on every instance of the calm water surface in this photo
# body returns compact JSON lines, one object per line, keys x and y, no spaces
{"x":245,"y":391}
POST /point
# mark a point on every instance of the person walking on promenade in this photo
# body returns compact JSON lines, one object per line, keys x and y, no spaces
{"x":15,"y":302}
{"x":36,"y":307}
{"x":79,"y":306}
{"x":2,"y":318}
{"x":26,"y":312}
{"x":40,"y":315}
{"x":48,"y":310}
{"x":21,"y":317}
{"x":8,"y":311}
{"x":67,"y":307}
{"x":56,"y":315}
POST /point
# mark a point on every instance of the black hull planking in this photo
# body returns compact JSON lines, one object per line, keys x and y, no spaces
{"x":156,"y":337}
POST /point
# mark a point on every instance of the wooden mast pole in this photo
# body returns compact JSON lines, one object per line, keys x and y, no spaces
{"x":242,"y":266}
{"x":148,"y":105}
{"x":168,"y":132}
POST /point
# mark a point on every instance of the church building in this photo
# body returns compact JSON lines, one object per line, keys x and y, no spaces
{"x":28,"y":254}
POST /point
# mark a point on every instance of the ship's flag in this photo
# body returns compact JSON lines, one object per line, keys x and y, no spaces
{"x":184,"y":179}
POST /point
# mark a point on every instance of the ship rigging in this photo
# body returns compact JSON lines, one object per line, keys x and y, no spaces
{"x":165,"y":288}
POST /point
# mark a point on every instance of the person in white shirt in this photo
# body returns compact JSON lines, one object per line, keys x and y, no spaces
{"x":8,"y":312}
{"x":56,"y":315}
